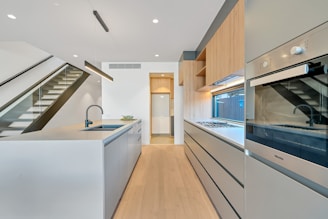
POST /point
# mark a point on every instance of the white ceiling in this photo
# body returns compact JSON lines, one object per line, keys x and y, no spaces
{"x":67,"y":27}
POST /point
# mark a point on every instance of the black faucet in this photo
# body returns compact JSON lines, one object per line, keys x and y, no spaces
{"x":87,"y":121}
{"x":311,"y":121}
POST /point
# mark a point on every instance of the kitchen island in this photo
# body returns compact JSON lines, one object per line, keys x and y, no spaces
{"x":67,"y":172}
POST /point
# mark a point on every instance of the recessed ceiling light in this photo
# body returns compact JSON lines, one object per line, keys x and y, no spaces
{"x":11,"y":16}
{"x":156,"y":55}
{"x":155,"y":21}
{"x":75,"y":56}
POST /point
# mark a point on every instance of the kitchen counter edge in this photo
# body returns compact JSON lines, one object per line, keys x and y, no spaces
{"x":233,"y":136}
{"x":76,"y":132}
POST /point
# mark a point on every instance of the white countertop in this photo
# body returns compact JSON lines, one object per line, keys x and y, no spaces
{"x":60,"y":171}
{"x":234,"y":135}
{"x":75,"y":132}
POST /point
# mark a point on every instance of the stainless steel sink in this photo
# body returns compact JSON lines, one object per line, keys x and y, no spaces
{"x":299,"y":127}
{"x":104,"y":127}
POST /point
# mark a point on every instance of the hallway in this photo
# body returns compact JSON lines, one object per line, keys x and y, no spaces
{"x":164,"y":185}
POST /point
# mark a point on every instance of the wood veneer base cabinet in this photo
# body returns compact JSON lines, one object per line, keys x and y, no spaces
{"x":220,"y":167}
{"x":270,"y":194}
{"x":225,"y":51}
{"x":120,"y":157}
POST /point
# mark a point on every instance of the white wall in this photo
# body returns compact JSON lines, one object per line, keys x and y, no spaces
{"x":25,"y":81}
{"x":73,"y":111}
{"x":129,"y":94}
{"x":17,"y":56}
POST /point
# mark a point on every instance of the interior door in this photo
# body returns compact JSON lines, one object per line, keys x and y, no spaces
{"x":160,"y":114}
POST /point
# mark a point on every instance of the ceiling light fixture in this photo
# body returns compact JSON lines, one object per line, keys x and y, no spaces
{"x":100,"y":20}
{"x":11,"y":16}
{"x":75,"y":56}
{"x":156,"y":55}
{"x":155,"y":21}
{"x":96,"y":70}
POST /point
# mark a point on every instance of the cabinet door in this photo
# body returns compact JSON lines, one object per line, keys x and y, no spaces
{"x":231,"y":42}
{"x":224,"y":46}
{"x":218,"y":200}
{"x":181,"y":73}
{"x":160,"y":85}
{"x":115,"y":170}
{"x":134,"y":148}
{"x":237,"y":37}
{"x":225,"y":51}
{"x":211,"y":60}
{"x":271,"y":195}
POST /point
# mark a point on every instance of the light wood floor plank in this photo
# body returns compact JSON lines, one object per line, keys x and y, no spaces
{"x":164,"y":186}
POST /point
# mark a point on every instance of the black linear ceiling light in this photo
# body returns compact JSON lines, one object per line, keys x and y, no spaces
{"x":101,"y":21}
{"x":97,"y":71}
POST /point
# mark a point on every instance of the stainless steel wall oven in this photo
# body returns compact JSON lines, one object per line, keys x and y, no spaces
{"x":286,"y":111}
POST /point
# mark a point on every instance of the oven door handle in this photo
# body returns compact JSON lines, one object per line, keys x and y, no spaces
{"x":289,"y":73}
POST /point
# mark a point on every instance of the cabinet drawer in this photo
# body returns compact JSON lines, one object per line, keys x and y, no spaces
{"x":270,"y":194}
{"x":219,"y":202}
{"x":232,"y":190}
{"x":227,"y":155}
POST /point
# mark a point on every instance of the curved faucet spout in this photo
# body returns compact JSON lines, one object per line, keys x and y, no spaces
{"x":87,"y":121}
{"x":311,"y":121}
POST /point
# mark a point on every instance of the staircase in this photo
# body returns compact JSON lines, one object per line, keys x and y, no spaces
{"x":312,"y":91}
{"x":17,"y":117}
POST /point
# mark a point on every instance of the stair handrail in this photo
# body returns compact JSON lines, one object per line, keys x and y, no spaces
{"x":8,"y":106}
{"x":25,"y":70}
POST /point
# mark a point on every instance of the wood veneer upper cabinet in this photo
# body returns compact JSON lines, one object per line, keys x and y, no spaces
{"x":171,"y":88}
{"x":211,"y":59}
{"x":181,"y":72}
{"x":225,"y":51}
{"x":238,"y":36}
{"x":160,"y":85}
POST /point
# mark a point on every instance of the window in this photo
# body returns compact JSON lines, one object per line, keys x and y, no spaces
{"x":229,"y":104}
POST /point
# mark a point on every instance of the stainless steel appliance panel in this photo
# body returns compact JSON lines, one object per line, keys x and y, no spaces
{"x":287,"y":108}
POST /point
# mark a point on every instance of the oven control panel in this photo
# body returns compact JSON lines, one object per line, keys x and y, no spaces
{"x":308,"y":46}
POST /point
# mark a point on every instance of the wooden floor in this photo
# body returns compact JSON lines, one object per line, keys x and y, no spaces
{"x":161,"y":139}
{"x":164,"y":185}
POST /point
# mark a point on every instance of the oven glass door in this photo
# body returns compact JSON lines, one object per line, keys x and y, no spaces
{"x":291,"y":114}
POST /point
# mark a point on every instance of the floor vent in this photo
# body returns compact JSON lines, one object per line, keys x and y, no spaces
{"x":124,"y":66}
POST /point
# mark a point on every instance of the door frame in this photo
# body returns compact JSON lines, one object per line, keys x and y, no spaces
{"x":155,"y":78}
